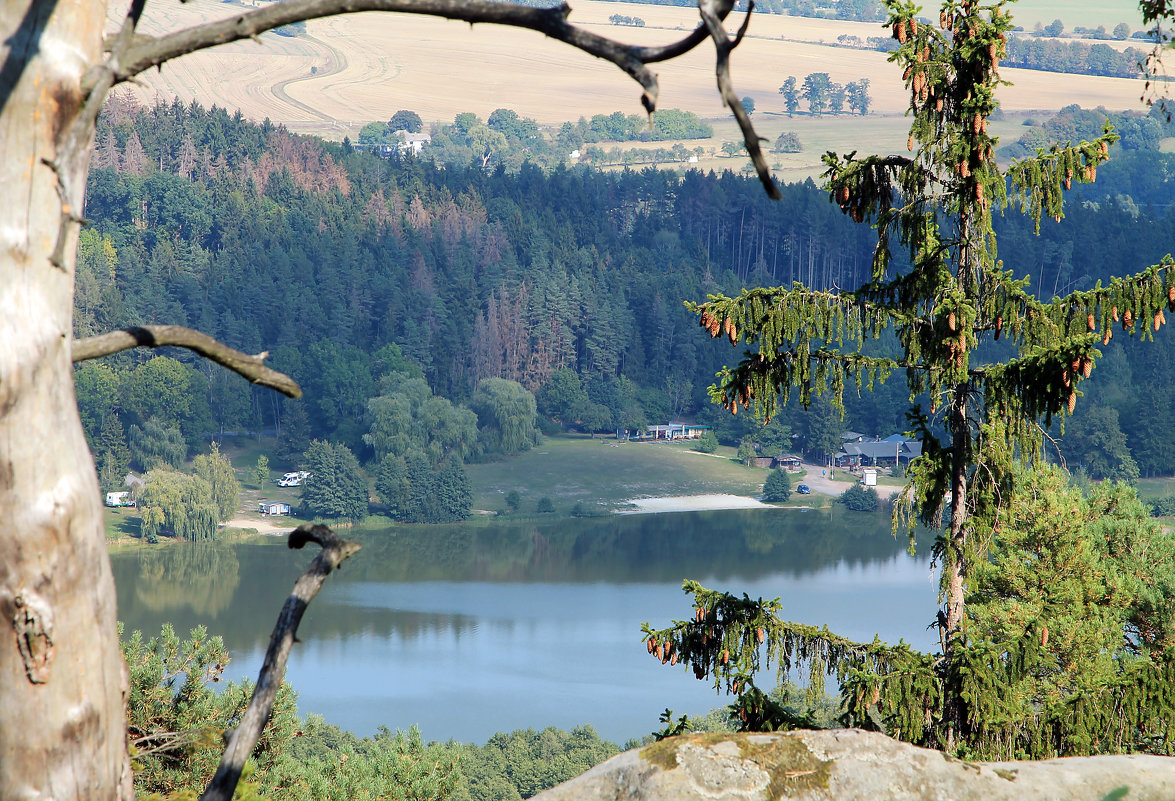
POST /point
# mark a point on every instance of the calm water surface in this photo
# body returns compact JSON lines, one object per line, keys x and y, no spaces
{"x":468,"y":630}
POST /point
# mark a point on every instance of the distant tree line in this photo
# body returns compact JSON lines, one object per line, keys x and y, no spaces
{"x":1052,"y":55}
{"x":620,"y":19}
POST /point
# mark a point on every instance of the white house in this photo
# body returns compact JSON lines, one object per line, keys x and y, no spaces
{"x":273,"y":508}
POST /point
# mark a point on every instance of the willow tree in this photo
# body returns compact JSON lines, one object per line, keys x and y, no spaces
{"x":938,"y":284}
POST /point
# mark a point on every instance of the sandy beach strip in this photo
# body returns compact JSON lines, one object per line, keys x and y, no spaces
{"x":692,"y":503}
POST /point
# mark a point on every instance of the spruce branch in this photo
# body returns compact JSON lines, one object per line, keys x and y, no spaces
{"x":158,"y":336}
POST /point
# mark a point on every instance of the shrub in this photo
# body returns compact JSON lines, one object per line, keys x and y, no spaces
{"x":708,"y":443}
{"x":513,"y":500}
{"x":860,"y":498}
{"x":777,"y":488}
{"x":544,"y":506}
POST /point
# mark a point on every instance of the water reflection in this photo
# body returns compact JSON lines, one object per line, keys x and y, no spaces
{"x":472,"y":629}
{"x":196,"y":576}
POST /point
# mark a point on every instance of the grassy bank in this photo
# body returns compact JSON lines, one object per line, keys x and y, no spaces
{"x":602,"y":474}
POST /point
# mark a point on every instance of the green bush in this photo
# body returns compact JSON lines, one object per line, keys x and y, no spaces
{"x":544,"y":506}
{"x":777,"y":488}
{"x":860,"y":498}
{"x":708,"y":443}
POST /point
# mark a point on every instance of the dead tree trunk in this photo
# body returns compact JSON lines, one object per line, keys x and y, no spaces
{"x":62,"y":678}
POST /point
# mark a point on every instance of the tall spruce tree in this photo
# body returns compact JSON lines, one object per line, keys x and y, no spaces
{"x":952,"y":296}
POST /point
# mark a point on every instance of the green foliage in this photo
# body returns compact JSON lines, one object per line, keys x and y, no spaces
{"x":1095,"y":441}
{"x":777,"y":487}
{"x":405,"y":120}
{"x":170,"y":392}
{"x":953,"y":297}
{"x":513,"y":500}
{"x":791,"y":95}
{"x":748,"y":104}
{"x":707,"y":443}
{"x":859,"y":498}
{"x":336,"y":488}
{"x":178,"y":504}
{"x":409,"y":418}
{"x":505,"y":416}
{"x":175,"y":719}
{"x":157,"y":444}
{"x":261,"y":471}
{"x":745,"y":452}
{"x":562,"y":397}
{"x":391,"y":484}
{"x":510,"y":767}
{"x":544,"y":506}
{"x":217,"y":471}
{"x":111,"y":454}
{"x":434,"y":494}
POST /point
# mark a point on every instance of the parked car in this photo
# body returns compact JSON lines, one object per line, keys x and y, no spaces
{"x":804,"y":489}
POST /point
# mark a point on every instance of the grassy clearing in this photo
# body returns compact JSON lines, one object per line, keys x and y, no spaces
{"x":602,"y":474}
{"x":1150,"y":489}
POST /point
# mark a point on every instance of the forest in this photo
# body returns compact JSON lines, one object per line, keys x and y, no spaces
{"x":566,"y":284}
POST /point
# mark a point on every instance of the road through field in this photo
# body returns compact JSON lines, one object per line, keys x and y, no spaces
{"x":336,"y":63}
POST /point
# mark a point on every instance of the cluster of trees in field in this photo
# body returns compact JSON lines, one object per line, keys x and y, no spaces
{"x":360,"y":273}
{"x":176,"y":743}
{"x":620,"y":19}
{"x":824,"y":96}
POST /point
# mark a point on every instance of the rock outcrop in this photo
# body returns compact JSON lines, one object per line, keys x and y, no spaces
{"x":850,"y":764}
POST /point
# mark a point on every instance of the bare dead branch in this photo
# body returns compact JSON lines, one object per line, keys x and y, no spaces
{"x":712,"y":12}
{"x":243,"y":739}
{"x":145,"y":52}
{"x":158,"y":336}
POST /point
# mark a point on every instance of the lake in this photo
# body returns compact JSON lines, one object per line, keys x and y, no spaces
{"x":471,"y":629}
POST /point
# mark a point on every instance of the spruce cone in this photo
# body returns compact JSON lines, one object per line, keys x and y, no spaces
{"x":1127,"y":319}
{"x":725,"y":656}
{"x":1114,"y":313}
{"x":673,"y":659}
{"x":999,"y":326}
{"x":913,"y":27}
{"x":1044,"y":636}
{"x":944,"y":21}
{"x":842,"y":195}
{"x":649,"y":643}
{"x":1072,"y":404}
{"x":899,"y":32}
{"x":938,"y":105}
{"x":910,"y":143}
{"x":1086,"y":367}
{"x":657,"y":651}
{"x":1090,"y":323}
{"x":1107,"y":336}
{"x":1171,"y":294}
{"x":762,"y":635}
{"x":951,"y":322}
{"x":1160,"y":318}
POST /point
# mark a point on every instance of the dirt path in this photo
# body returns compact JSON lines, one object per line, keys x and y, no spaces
{"x":336,"y":63}
{"x":264,"y":525}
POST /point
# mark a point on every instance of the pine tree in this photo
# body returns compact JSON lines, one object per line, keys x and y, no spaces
{"x":954,"y":295}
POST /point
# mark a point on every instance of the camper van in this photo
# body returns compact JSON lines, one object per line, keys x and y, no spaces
{"x":293,"y":479}
{"x":272,"y":508}
{"x":117,"y":499}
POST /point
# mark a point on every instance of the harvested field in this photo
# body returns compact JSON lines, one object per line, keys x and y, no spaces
{"x":363,"y":67}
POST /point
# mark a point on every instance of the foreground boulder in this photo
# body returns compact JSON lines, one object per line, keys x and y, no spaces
{"x":850,"y":764}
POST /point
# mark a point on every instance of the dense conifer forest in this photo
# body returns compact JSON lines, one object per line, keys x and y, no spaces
{"x":348,"y":267}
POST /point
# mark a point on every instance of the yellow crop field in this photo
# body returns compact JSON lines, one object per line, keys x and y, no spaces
{"x":354,"y":69}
